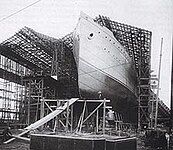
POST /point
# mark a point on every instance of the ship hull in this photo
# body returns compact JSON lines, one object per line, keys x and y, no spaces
{"x":104,"y":66}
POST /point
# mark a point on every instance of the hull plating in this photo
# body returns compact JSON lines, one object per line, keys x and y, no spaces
{"x":104,"y":65}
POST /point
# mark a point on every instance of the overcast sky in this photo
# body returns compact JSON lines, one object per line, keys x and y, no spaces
{"x":59,"y":17}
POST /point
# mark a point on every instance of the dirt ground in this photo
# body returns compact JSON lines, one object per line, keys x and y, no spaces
{"x":15,"y":146}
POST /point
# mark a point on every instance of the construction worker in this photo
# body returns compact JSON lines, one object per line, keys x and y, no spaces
{"x":167,"y":139}
{"x":110,"y":117}
{"x":100,"y":95}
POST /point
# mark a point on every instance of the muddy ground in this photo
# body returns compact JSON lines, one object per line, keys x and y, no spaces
{"x":16,"y":145}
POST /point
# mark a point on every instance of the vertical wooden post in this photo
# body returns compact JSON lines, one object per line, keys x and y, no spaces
{"x":67,"y":117}
{"x":139,"y":112}
{"x":29,"y":100}
{"x":78,"y":123}
{"x":57,"y":121}
{"x":116,"y":124}
{"x":104,"y":115}
{"x":71,"y":129}
{"x":152,"y":110}
{"x":55,"y":124}
{"x":42,"y":108}
{"x":83,"y":113}
{"x":97,"y":121}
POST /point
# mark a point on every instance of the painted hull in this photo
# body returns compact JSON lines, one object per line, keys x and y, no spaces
{"x":104,"y":65}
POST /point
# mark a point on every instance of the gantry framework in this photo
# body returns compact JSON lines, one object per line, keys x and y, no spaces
{"x":137,"y":43}
{"x":31,"y":49}
{"x":27,"y":53}
{"x":46,"y":56}
{"x":38,"y":57}
{"x":10,"y":89}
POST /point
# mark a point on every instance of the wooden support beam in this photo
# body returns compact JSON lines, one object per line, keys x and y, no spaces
{"x":48,"y":106}
{"x":94,"y":101}
{"x":29,"y":100}
{"x":104,"y":115}
{"x":12,"y":139}
{"x":97,"y":121}
{"x":42,"y":109}
{"x":92,"y":112}
{"x":80,"y":100}
{"x":51,"y":115}
{"x":71,"y":129}
{"x":56,"y":117}
{"x":22,"y":138}
{"x":67,"y":121}
{"x":78,"y":123}
{"x":55,"y":123}
{"x":82,"y":117}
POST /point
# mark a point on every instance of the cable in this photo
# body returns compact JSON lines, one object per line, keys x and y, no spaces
{"x":19,"y":11}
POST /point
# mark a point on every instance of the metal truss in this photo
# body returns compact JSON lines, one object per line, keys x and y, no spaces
{"x":43,"y":56}
{"x":10,"y":90}
{"x":137,"y":43}
{"x":30,"y":48}
{"x":68,"y":41}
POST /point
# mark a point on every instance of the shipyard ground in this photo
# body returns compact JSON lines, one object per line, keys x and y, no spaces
{"x":20,"y":145}
{"x":17,"y":145}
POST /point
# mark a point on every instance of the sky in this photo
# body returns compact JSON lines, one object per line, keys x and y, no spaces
{"x":57,"y":18}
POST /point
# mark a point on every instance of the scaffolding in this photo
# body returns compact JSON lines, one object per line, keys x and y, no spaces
{"x":137,"y":43}
{"x":163,"y":112}
{"x":25,"y":54}
{"x":70,"y":121}
{"x":35,"y":57}
{"x":39,"y":57}
{"x":11,"y":90}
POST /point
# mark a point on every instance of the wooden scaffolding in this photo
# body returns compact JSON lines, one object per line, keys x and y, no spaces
{"x":137,"y":43}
